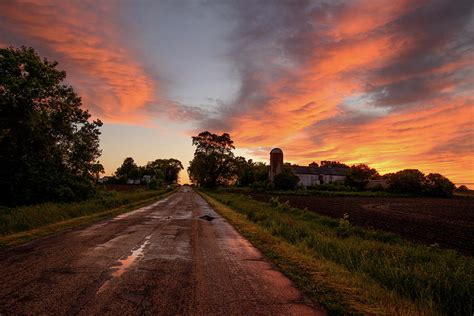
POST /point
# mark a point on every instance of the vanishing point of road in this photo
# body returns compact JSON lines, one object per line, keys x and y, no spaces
{"x":162,"y":259}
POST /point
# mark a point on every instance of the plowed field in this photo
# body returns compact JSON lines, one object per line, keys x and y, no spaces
{"x":447,"y":222}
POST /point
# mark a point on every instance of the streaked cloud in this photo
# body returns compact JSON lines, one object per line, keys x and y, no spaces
{"x":389,"y":83}
{"x":86,"y":40}
{"x":383,"y":82}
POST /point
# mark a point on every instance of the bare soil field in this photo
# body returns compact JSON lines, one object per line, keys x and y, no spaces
{"x":447,"y":222}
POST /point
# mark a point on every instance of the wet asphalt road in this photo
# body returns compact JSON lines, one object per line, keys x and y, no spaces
{"x":162,"y":259}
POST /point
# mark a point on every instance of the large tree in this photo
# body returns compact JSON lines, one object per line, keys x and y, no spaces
{"x":213,"y":162}
{"x":248,"y":171}
{"x":359,"y":175}
{"x":49,"y":147}
{"x":407,"y":181}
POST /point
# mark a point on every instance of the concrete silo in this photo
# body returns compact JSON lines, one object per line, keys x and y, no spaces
{"x":276,"y":163}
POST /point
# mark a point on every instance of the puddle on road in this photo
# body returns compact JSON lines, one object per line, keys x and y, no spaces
{"x":123,"y":264}
{"x":207,"y":217}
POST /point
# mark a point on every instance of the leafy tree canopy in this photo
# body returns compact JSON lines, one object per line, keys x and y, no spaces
{"x":213,"y":161}
{"x":406,"y":181}
{"x":169,"y":168}
{"x":164,"y":170}
{"x":249,"y":171}
{"x":128,"y":170}
{"x":333,"y":164}
{"x":49,"y":148}
{"x":438,"y":185}
{"x":359,"y":175}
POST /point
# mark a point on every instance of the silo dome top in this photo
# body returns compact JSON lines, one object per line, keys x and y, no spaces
{"x":276,"y":151}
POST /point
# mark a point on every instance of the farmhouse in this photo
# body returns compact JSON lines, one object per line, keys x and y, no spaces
{"x":308,"y":175}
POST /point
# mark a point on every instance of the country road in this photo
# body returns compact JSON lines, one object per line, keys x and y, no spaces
{"x":162,"y":259}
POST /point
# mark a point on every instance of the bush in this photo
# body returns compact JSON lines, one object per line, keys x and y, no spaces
{"x":462,"y":188}
{"x":153,"y":184}
{"x":413,"y":181}
{"x":407,"y":181}
{"x":259,"y":185}
{"x":286,"y":181}
{"x":437,"y":185}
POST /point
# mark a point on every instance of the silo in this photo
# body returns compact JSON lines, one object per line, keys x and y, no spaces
{"x":276,"y":163}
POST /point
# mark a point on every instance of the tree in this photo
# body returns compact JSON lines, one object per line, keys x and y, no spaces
{"x":213,"y":161}
{"x":407,"y":181}
{"x":286,"y":180}
{"x":333,"y":164}
{"x":170,"y":169}
{"x":462,"y":188}
{"x":49,"y":148}
{"x":128,"y":170}
{"x":359,"y":175}
{"x":438,"y":185}
{"x":249,"y":172}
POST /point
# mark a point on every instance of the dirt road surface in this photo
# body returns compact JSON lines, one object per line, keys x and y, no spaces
{"x":162,"y":259}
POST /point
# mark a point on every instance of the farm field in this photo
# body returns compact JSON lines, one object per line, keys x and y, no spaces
{"x":447,"y":222}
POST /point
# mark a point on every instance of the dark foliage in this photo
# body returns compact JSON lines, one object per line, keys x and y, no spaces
{"x":213,"y":162}
{"x":359,"y":176}
{"x":49,"y":148}
{"x":160,"y":170}
{"x":286,"y":180}
{"x":249,"y":172}
{"x":437,"y":185}
{"x":413,"y":181}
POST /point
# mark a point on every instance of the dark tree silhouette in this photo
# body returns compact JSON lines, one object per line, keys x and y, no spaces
{"x":213,"y":162}
{"x":49,"y":148}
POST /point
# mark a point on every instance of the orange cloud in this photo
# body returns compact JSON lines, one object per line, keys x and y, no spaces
{"x":381,"y":84}
{"x":86,"y":41}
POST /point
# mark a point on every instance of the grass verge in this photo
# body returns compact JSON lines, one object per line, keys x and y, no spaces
{"x":23,"y":224}
{"x":350,"y":270}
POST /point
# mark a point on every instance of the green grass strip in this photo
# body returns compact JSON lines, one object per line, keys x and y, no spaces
{"x":349,"y":269}
{"x":51,"y":218}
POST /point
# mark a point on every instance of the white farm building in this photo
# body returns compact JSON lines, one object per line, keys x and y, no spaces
{"x":308,"y":175}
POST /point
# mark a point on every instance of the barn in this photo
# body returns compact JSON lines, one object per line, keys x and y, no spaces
{"x":308,"y":175}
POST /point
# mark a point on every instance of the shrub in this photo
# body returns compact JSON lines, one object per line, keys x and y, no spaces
{"x":153,"y":184}
{"x":286,"y":180}
{"x":259,"y":185}
{"x":407,"y":181}
{"x":437,"y":185}
{"x":462,"y":188}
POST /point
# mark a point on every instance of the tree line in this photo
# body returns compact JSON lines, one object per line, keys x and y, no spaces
{"x":155,"y":173}
{"x":214,"y":164}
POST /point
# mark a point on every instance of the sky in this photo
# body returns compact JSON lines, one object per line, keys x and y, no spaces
{"x":389,"y":83}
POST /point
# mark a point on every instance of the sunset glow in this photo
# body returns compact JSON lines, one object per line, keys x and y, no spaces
{"x":387,"y":83}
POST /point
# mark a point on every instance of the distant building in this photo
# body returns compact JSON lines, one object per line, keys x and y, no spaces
{"x":308,"y":175}
{"x":319,"y":175}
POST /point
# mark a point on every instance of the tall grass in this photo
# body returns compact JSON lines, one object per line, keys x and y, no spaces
{"x":442,"y":279}
{"x":19,"y":219}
